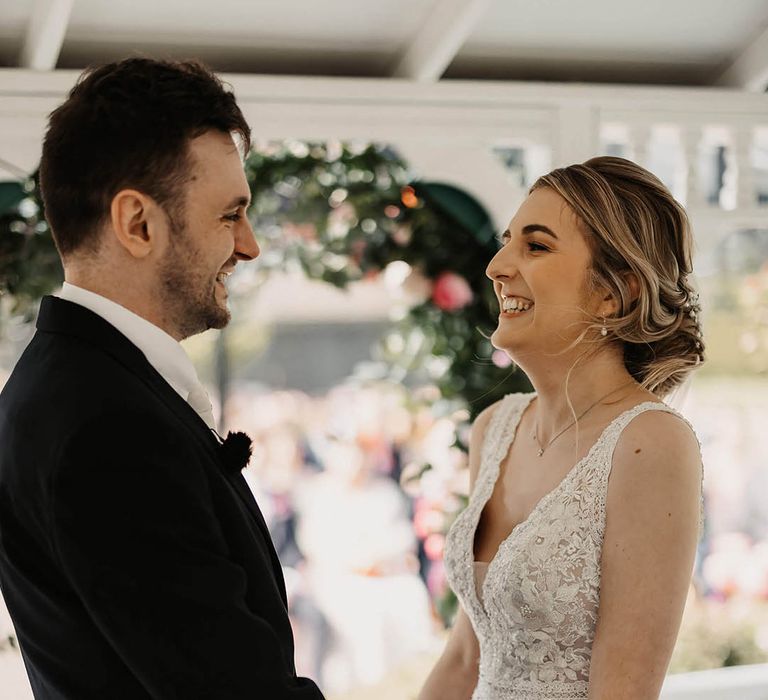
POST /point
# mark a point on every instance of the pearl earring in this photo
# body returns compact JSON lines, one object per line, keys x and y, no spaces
{"x":604,"y":329}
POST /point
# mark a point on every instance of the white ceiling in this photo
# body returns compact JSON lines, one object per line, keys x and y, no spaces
{"x":687,"y":42}
{"x":648,"y":41}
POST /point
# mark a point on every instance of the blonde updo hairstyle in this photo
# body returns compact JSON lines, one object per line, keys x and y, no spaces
{"x":633,"y":224}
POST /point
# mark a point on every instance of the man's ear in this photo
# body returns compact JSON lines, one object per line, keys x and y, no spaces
{"x":138,"y":222}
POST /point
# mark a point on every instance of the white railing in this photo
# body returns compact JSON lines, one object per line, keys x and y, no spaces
{"x":448,"y":130}
{"x":734,"y":683}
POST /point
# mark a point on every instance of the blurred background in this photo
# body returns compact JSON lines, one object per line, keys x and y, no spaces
{"x":392,"y":142}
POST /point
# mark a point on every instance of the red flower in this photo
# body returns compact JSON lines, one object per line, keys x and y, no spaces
{"x":451,"y":292}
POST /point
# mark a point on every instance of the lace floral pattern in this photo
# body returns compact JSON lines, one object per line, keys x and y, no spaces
{"x":535,"y":620}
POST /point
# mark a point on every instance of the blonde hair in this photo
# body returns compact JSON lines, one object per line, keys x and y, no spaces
{"x":634,"y":225}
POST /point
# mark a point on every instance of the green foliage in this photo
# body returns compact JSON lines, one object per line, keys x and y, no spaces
{"x":341,"y":212}
{"x":344,"y":213}
{"x":29,"y":264}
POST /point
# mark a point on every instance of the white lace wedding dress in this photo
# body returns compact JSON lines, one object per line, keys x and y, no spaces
{"x":534,"y":606}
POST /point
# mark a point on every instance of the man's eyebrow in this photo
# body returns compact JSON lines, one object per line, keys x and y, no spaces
{"x":238,"y":202}
{"x":532,"y":228}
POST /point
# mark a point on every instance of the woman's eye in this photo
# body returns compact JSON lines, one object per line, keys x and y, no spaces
{"x":536,"y":247}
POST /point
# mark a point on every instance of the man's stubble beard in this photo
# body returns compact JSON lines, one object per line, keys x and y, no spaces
{"x":188,"y":293}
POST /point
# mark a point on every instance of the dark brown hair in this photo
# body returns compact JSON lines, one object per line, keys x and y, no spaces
{"x":128,"y":124}
{"x":634,"y":225}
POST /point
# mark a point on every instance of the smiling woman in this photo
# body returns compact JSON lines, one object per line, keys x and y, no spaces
{"x":641,"y":256}
{"x":572,"y":586}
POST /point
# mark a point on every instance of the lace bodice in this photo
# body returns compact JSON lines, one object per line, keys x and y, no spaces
{"x":536,"y":617}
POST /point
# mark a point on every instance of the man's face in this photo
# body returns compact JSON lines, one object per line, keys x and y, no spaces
{"x":211,"y":237}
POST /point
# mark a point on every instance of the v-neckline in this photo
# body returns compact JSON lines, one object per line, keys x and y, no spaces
{"x":539,"y":505}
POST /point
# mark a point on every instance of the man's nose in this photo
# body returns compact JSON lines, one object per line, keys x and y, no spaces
{"x":246,"y":247}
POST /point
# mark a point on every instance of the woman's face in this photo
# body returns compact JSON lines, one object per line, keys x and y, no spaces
{"x":540,"y":279}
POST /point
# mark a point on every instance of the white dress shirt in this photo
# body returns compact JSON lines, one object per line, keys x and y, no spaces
{"x":162,"y":351}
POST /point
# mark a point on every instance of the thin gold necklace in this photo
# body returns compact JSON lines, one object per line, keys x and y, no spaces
{"x":572,"y":423}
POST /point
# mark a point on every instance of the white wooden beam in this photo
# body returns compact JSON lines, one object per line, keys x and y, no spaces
{"x":749,"y":70}
{"x":439,"y":39}
{"x":45,"y":34}
{"x":32,"y":92}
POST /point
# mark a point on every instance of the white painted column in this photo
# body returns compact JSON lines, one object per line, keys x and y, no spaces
{"x":691,"y":142}
{"x":746,"y":191}
{"x":728,"y":194}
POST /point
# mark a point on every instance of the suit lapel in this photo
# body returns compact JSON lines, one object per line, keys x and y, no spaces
{"x":64,"y":317}
{"x":210,"y":442}
{"x":238,"y":484}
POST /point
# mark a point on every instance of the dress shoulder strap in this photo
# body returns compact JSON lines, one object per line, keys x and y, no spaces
{"x":500,"y":432}
{"x":614,"y":430}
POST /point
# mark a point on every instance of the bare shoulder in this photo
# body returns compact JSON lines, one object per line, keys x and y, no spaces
{"x":657,"y":436}
{"x":656,"y":453}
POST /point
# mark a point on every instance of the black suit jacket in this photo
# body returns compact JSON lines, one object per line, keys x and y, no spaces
{"x":133,"y":565}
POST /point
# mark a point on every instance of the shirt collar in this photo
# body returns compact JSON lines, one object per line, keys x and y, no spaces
{"x":162,"y":351}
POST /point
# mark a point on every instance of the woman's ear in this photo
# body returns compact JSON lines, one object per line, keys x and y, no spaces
{"x":610,"y":305}
{"x":633,"y":283}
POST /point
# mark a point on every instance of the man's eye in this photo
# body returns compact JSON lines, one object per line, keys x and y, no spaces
{"x":233,"y":217}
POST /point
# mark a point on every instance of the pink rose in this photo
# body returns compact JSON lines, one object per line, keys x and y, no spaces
{"x":501,"y":359}
{"x":451,"y":292}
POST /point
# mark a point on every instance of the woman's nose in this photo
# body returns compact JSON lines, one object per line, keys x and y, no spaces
{"x":501,"y":265}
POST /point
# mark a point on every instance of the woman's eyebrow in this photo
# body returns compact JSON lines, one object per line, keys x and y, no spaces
{"x":531,"y":228}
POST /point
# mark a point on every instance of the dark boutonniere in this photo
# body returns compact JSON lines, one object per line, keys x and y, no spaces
{"x":235,"y":452}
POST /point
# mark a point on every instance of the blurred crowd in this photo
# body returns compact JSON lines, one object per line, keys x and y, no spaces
{"x":360,"y":485}
{"x":326,"y":472}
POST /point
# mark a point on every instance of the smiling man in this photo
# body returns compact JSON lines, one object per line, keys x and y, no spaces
{"x":133,"y":560}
